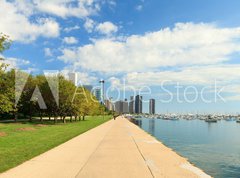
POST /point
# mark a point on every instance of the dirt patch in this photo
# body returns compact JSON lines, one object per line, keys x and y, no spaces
{"x":41,"y":125}
{"x":3,"y":134}
{"x":26,"y":129}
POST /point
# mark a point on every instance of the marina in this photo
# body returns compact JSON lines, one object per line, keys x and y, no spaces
{"x":175,"y":117}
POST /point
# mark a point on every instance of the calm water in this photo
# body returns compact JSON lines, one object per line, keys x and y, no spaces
{"x":213,"y":147}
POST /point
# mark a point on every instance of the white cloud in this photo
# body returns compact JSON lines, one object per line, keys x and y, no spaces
{"x":19,"y":17}
{"x":15,"y":23}
{"x":232,"y":98}
{"x":185,"y":45}
{"x":106,"y":28}
{"x":83,"y":78}
{"x":213,"y":79}
{"x":69,"y":56}
{"x":197,"y":75}
{"x":139,"y":7}
{"x":14,"y":63}
{"x":89,"y":25}
{"x":68,"y":8}
{"x":86,"y":79}
{"x":70,"y":40}
{"x":48,"y":52}
{"x":115,"y":82}
{"x":69,"y":29}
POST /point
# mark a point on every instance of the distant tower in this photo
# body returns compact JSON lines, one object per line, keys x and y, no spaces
{"x":102,"y":89}
{"x":138,"y":104}
{"x":97,"y":93}
{"x":73,"y":77}
{"x":152,"y":106}
{"x":131,"y":105}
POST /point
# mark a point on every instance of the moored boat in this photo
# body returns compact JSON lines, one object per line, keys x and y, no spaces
{"x":211,"y":119}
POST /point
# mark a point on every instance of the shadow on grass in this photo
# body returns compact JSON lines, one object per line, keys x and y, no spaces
{"x":39,"y":122}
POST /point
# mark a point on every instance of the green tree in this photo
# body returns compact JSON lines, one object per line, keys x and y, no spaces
{"x":66,"y":93}
{"x":6,"y":89}
{"x":5,"y":42}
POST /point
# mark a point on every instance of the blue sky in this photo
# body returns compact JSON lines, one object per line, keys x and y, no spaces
{"x":153,"y":43}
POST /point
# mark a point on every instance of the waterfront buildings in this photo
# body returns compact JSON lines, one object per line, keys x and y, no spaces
{"x":131,"y":105}
{"x":138,"y":104}
{"x":125,"y":106}
{"x":152,"y":106}
{"x":121,"y":107}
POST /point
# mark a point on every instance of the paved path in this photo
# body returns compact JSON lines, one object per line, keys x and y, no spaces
{"x":116,"y":149}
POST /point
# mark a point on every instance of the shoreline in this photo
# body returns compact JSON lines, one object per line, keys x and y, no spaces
{"x":187,"y":165}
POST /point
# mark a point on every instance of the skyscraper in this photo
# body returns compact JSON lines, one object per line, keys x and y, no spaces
{"x":138,"y":104}
{"x":97,"y":93}
{"x":73,"y":77}
{"x":121,"y":107}
{"x":152,"y":106}
{"x":125,"y":106}
{"x":131,"y":105}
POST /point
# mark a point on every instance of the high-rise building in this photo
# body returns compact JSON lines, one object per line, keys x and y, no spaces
{"x":97,"y":93}
{"x":102,"y":91}
{"x":109,"y":105}
{"x":152,"y":106}
{"x":121,"y":107}
{"x":125,"y":106}
{"x":131,"y":105}
{"x":138,"y":104}
{"x":72,"y":76}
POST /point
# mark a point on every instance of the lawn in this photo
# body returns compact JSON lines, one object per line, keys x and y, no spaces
{"x":22,"y":141}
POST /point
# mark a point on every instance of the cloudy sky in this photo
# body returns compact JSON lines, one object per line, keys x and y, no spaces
{"x":187,"y":52}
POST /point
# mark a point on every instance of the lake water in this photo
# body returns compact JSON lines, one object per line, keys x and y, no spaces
{"x":213,"y":147}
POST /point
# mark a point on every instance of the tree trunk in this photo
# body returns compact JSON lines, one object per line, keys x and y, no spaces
{"x":64,"y":121}
{"x":55,"y":119}
{"x":83,"y":117}
{"x":15,"y":116}
{"x":30,"y":118}
{"x":75,"y":118}
{"x":79,"y":118}
{"x":71,"y":118}
{"x":41,"y":119}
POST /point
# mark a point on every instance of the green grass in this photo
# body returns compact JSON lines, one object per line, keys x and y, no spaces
{"x":18,"y":146}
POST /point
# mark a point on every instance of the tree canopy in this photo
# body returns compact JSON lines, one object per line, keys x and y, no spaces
{"x":37,"y":97}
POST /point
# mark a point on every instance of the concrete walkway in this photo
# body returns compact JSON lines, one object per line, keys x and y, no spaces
{"x":116,"y":149}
